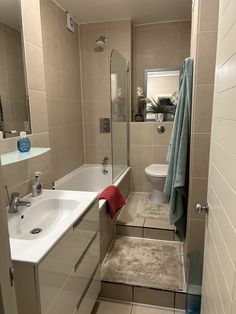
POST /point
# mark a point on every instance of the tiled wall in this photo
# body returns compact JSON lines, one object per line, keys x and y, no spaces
{"x":219,"y":284}
{"x":18,"y":177}
{"x":203,"y":50}
{"x":147,"y":146}
{"x":63,"y":87}
{"x":12,"y":81}
{"x":96,"y":82}
{"x":158,"y":46}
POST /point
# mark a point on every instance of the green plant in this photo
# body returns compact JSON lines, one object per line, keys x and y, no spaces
{"x":158,"y":106}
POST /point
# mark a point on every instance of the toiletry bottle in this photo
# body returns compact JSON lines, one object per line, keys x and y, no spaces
{"x":23,"y":143}
{"x":37,"y":187}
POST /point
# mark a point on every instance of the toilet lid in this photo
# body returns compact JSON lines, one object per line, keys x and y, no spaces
{"x":157,"y":170}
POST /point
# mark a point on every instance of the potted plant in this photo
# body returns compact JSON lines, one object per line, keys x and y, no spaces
{"x":159,"y":108}
{"x":141,"y":104}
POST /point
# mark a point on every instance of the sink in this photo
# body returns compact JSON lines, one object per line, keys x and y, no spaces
{"x":34,"y":230}
{"x":35,"y":221}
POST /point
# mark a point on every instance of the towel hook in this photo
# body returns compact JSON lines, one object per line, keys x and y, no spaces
{"x":161,"y":129}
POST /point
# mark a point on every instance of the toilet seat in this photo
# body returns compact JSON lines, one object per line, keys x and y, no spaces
{"x":157,"y":170}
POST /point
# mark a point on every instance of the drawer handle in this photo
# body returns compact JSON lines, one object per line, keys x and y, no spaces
{"x":87,"y":287}
{"x":75,"y":225}
{"x":85,"y":251}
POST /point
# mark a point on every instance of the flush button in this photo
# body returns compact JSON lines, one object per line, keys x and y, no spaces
{"x":105,"y":125}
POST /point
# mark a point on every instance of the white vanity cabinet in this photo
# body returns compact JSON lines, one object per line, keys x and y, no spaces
{"x":67,"y":280}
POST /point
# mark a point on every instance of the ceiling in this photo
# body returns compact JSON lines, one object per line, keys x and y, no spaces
{"x":10,"y":13}
{"x":140,"y":11}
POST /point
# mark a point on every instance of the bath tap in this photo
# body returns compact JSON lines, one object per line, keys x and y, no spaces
{"x":16,"y":202}
{"x":104,"y":161}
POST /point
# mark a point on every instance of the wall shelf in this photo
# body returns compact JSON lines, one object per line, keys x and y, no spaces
{"x":16,"y":156}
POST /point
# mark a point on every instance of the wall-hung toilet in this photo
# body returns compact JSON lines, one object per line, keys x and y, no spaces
{"x":156,"y":175}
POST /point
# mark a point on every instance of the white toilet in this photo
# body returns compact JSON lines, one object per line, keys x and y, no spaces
{"x":156,"y":175}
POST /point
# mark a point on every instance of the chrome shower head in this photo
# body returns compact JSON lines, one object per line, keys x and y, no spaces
{"x":100,"y":43}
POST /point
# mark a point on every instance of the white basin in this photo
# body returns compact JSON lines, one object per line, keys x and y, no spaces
{"x":34,"y":221}
{"x":52,"y":213}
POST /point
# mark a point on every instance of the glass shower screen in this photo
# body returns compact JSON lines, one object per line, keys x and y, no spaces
{"x":119,"y":113}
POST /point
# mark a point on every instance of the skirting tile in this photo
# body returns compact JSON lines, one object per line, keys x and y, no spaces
{"x":154,"y":297}
{"x":129,"y":231}
{"x":116,"y":291}
{"x":158,"y":234}
{"x":180,"y":301}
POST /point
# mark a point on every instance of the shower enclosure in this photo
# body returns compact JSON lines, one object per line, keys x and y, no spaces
{"x":119,"y":85}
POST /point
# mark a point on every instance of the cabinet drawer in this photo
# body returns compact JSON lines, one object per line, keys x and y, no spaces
{"x":55,"y":268}
{"x":91,"y":296}
{"x":74,"y":287}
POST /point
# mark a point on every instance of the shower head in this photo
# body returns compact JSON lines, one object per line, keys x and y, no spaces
{"x":100,"y":43}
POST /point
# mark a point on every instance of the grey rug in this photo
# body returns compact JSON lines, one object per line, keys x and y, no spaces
{"x":149,"y":263}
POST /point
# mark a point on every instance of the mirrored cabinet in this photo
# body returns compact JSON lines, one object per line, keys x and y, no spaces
{"x":14,"y":104}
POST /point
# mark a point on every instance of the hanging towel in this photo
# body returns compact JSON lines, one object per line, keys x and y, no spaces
{"x":176,"y":186}
{"x":114,"y":199}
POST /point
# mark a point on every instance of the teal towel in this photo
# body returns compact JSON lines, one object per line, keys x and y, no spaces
{"x":176,"y":186}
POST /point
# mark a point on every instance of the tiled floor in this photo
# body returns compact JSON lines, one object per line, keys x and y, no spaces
{"x":105,"y":307}
{"x":140,"y":211}
{"x":144,"y":262}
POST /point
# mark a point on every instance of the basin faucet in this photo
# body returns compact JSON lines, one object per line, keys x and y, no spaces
{"x":104,"y":161}
{"x":16,"y":202}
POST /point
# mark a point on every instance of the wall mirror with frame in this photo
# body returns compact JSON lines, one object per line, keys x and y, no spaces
{"x":161,"y":87}
{"x":14,"y":105}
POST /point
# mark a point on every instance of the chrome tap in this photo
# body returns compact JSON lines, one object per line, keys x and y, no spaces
{"x":104,"y":161}
{"x":16,"y":202}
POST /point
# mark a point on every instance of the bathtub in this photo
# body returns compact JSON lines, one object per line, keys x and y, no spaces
{"x":91,"y":178}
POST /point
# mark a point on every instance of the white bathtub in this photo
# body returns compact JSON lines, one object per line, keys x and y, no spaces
{"x":90,"y":178}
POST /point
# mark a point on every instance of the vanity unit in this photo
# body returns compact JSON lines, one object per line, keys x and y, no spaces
{"x":57,"y":271}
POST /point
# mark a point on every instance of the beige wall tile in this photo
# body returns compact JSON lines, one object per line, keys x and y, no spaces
{"x":31,"y":22}
{"x":196,"y":235}
{"x":164,"y":138}
{"x":139,"y":180}
{"x":203,"y":108}
{"x":140,"y":155}
{"x":38,"y":111}
{"x":160,"y":154}
{"x":206,"y":56}
{"x":35,"y":67}
{"x":209,"y":15}
{"x":198,"y":194}
{"x":141,"y":133}
{"x":200,"y":151}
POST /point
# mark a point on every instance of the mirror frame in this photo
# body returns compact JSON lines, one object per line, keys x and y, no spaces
{"x":145,"y":81}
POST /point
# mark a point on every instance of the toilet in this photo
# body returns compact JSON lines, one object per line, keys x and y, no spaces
{"x":156,"y":175}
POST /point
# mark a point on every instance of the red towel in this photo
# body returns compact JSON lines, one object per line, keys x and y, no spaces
{"x":114,"y":199}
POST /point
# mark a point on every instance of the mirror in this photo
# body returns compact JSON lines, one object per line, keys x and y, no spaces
{"x":14,"y":107}
{"x":161,"y":87}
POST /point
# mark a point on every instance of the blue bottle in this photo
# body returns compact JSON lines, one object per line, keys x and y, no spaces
{"x":23,"y":144}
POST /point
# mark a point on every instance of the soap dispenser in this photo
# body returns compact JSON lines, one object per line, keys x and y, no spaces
{"x":23,"y":143}
{"x":37,"y":185}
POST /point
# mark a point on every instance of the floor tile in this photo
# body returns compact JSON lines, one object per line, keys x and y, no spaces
{"x":154,"y":297}
{"x":138,"y":309}
{"x":105,"y":307}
